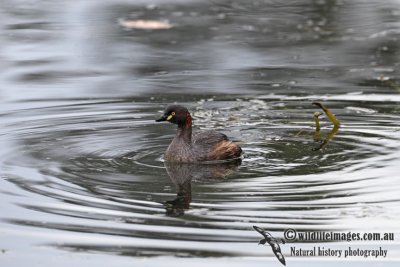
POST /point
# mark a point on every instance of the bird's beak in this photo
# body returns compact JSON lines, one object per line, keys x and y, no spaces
{"x":163,"y":118}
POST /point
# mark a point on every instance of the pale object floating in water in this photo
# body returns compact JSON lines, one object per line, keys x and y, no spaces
{"x":145,"y":24}
{"x":361,"y":110}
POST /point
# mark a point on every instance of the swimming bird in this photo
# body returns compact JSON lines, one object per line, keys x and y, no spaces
{"x":273,"y":242}
{"x":201,"y":147}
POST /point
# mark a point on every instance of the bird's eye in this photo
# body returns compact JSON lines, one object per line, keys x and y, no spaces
{"x":173,"y":113}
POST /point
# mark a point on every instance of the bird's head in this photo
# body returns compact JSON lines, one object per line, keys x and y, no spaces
{"x":176,"y":114}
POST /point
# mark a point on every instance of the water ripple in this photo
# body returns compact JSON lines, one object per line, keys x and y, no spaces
{"x":99,"y":166}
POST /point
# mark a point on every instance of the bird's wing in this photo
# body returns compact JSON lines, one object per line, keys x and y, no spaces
{"x":277,"y":251}
{"x":261,"y":231}
{"x":209,"y":138}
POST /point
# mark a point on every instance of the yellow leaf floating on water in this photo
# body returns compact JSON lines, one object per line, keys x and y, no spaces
{"x":146,"y":24}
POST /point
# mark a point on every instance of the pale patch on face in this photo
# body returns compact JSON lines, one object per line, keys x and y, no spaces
{"x":170,"y":116}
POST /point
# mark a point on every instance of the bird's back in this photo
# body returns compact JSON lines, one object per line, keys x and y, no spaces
{"x":212,"y":145}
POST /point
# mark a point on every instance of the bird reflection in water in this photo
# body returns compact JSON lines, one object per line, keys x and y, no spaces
{"x":183,"y":174}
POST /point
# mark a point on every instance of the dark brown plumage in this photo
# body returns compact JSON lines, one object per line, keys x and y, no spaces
{"x":200,"y":147}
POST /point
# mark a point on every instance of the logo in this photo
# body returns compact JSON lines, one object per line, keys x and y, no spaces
{"x":273,"y":242}
{"x":345,"y":251}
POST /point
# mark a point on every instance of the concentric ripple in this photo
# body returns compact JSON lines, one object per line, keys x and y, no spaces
{"x":95,"y":167}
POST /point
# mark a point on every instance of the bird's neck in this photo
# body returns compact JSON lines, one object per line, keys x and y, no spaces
{"x":185,"y":130}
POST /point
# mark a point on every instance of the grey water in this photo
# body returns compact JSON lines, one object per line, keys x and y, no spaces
{"x":82,"y":176}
